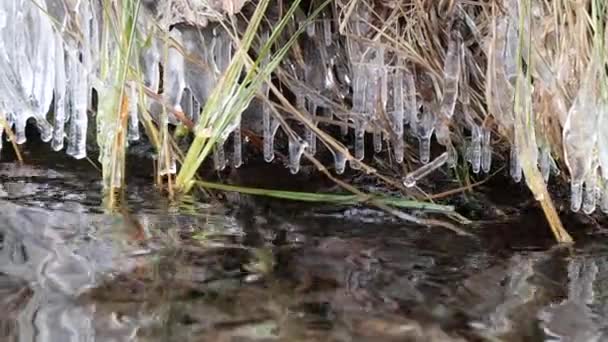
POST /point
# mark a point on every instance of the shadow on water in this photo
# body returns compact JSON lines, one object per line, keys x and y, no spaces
{"x":69,"y":272}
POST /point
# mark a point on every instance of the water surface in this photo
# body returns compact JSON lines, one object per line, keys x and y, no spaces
{"x":259,"y":272}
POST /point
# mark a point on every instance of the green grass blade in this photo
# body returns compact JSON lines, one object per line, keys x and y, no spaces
{"x":329,"y":198}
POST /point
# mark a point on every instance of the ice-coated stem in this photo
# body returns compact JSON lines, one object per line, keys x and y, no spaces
{"x":414,"y":176}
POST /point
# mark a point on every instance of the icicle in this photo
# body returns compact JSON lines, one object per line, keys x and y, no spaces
{"x":511,"y":57}
{"x":151,"y":66}
{"x":60,"y":98}
{"x":296,"y":149}
{"x":310,"y":29}
{"x":515,"y":165}
{"x":327,"y":34}
{"x":219,"y":157}
{"x":360,"y":87}
{"x":398,"y":149}
{"x":452,"y":156}
{"x":425,"y":132}
{"x":187,"y":103}
{"x":311,"y":137}
{"x":196,"y":110}
{"x":425,"y":149}
{"x":576,"y":195}
{"x":237,"y":156}
{"x":604,"y":202}
{"x":79,"y":89}
{"x":2,"y":114}
{"x":133,"y":129}
{"x":475,"y":155}
{"x":270,"y":129}
{"x":174,"y":77}
{"x":580,"y":133}
{"x":359,"y":140}
{"x":545,"y":163}
{"x":377,"y":140}
{"x":223,"y":50}
{"x":590,"y":194}
{"x":451,"y":73}
{"x":382,"y":75}
{"x":414,"y":176}
{"x":486,"y":150}
{"x":398,"y":103}
{"x":344,"y":129}
{"x":339,"y":162}
{"x":43,"y":67}
{"x":412,"y":105}
{"x":602,"y":138}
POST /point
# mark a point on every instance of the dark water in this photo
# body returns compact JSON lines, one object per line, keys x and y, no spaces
{"x":201,"y":272}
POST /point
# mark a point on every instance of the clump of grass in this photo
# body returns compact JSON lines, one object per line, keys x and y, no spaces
{"x":232,"y":96}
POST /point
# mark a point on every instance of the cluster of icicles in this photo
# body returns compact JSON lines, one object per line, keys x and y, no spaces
{"x":44,"y":66}
{"x":381,"y":86}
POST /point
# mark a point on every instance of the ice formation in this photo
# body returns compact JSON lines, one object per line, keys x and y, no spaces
{"x":55,"y":55}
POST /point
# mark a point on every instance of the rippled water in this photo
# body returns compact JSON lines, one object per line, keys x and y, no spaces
{"x":69,"y":272}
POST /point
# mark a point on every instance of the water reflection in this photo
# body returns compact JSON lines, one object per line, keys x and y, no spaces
{"x":70,"y":273}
